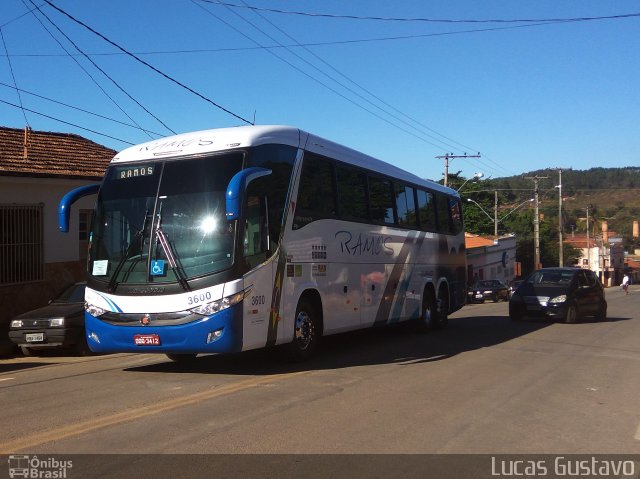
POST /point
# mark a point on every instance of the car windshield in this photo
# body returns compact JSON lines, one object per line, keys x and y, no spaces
{"x":551,"y":278}
{"x":486,"y":284}
{"x":73,"y":294}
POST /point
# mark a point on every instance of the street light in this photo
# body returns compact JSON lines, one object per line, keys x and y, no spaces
{"x":475,"y":177}
{"x":495,"y":218}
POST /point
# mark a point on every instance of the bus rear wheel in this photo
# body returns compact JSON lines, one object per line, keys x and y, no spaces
{"x":429,"y":314}
{"x":306,"y":333}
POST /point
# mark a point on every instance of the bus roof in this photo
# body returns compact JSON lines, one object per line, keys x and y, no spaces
{"x":221,"y":139}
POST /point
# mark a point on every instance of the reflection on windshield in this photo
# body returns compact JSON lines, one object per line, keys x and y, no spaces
{"x":166,"y":225}
{"x":551,"y":278}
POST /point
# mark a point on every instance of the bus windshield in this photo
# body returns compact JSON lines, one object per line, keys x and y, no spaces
{"x":163,"y":221}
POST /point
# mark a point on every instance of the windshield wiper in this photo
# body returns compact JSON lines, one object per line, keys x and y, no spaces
{"x":140,"y":235}
{"x":169,"y":253}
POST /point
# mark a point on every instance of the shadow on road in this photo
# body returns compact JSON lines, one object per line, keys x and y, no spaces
{"x":390,"y":345}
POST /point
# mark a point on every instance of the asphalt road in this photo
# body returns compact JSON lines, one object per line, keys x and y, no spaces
{"x":483,"y":385}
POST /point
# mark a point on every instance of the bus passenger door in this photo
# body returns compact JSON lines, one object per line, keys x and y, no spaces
{"x":260,"y":278}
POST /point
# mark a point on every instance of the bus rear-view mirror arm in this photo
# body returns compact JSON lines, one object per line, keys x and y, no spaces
{"x":64,"y":207}
{"x":237,"y":188}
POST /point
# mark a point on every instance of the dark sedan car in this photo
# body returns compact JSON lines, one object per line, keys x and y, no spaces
{"x":60,"y":324}
{"x":484,"y":289}
{"x":559,"y":293}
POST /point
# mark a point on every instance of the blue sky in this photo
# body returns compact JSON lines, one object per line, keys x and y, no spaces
{"x":526,"y":96}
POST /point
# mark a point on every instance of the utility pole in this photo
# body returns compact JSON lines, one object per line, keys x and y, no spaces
{"x":536,"y":222}
{"x":588,"y":242}
{"x":450,"y":156}
{"x":495,"y":213}
{"x":560,"y":251}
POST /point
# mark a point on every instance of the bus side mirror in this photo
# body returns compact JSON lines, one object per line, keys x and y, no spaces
{"x":237,"y":188}
{"x":64,"y":207}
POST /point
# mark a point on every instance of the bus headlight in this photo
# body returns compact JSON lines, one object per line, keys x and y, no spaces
{"x":221,"y":304}
{"x":94,"y":310}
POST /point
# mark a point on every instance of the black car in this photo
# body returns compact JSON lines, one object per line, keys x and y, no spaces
{"x":559,"y":293}
{"x":60,"y":324}
{"x":513,"y":286}
{"x":484,"y":289}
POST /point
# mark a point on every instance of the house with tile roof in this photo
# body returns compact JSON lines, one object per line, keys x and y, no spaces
{"x":602,"y":253}
{"x":491,"y":257}
{"x":36,"y":169}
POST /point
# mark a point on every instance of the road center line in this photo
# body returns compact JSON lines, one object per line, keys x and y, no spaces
{"x":7,"y":379}
{"x":64,"y":432}
{"x":637,"y":436}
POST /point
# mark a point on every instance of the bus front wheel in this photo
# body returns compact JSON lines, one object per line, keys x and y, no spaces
{"x":306,"y":333}
{"x":182,"y":358}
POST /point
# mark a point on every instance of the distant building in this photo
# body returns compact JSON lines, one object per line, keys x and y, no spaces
{"x":490,"y":257}
{"x":602,"y":253}
{"x":36,"y":169}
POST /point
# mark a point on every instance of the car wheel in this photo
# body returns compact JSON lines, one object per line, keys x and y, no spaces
{"x":572,"y":314}
{"x":82,"y":348}
{"x":515,"y":315}
{"x":306,"y":333}
{"x":182,"y":358}
{"x":26,"y":351}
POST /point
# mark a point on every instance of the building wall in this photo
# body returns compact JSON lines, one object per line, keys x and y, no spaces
{"x":493,"y":262}
{"x":62,"y":260}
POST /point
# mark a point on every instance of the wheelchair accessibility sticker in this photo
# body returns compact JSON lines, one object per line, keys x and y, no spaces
{"x":157,"y":267}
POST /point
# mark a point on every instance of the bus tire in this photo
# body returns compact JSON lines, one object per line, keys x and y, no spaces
{"x":182,"y":358}
{"x":306,"y":333}
{"x":443,"y":308}
{"x":428,"y":320}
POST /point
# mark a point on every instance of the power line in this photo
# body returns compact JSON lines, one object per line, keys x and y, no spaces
{"x":14,"y":77}
{"x":102,"y":71}
{"x":66,"y":122}
{"x":95,"y":82}
{"x":148,"y":65}
{"x":427,"y":20}
{"x":346,"y":87}
{"x":311,"y":77}
{"x":78,"y":108}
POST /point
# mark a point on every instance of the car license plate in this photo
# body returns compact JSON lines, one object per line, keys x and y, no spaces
{"x":34,"y":337}
{"x":146,"y":340}
{"x":478,"y":296}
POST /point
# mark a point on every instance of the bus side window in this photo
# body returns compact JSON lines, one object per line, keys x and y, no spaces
{"x":316,"y":193}
{"x":352,"y":193}
{"x":381,"y":200}
{"x":426,"y":211}
{"x":456,"y":215}
{"x":444,"y":214}
{"x":405,"y":206}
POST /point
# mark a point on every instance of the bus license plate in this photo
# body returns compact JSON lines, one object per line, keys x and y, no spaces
{"x":34,"y":337}
{"x":146,"y":340}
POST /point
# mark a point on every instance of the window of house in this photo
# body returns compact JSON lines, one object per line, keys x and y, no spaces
{"x":21,"y":244}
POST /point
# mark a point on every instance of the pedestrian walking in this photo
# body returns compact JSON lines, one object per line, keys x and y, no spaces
{"x":625,"y":283}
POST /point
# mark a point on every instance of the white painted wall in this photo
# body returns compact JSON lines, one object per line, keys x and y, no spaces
{"x":58,"y":247}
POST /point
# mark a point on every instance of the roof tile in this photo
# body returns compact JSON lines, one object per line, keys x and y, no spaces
{"x":51,"y":154}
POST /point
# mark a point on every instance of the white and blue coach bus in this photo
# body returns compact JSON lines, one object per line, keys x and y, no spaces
{"x":241,"y":238}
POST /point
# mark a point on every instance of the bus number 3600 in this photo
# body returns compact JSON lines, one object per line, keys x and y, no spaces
{"x":256,"y":300}
{"x":199,"y":298}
